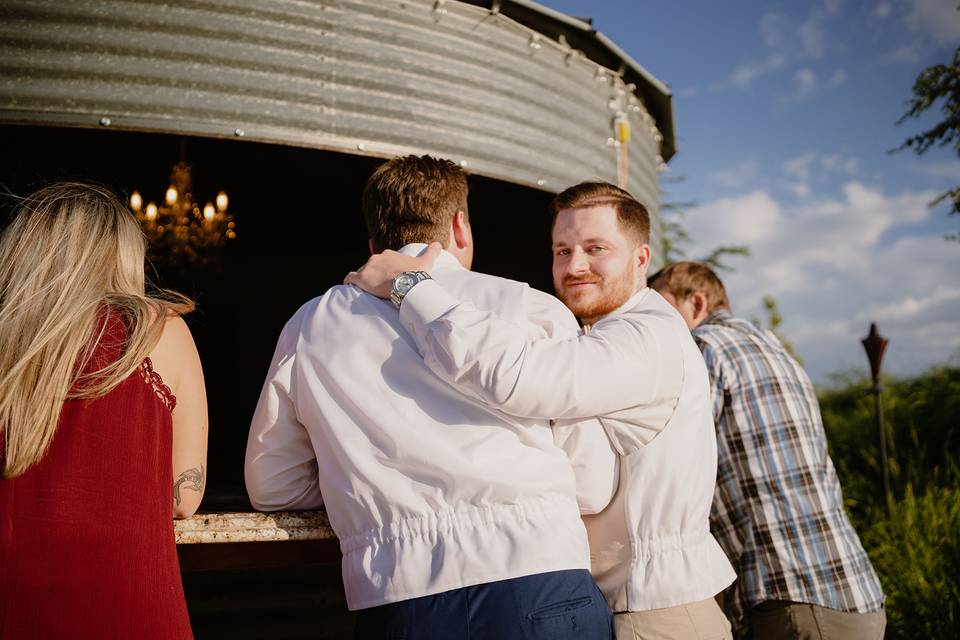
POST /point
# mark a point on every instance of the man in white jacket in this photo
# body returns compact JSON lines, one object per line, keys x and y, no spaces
{"x":455,"y":520}
{"x":636,"y":366}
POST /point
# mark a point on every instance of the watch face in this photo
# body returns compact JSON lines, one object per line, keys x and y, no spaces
{"x":404,"y":282}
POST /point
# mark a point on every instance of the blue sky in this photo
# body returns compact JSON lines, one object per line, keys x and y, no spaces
{"x":785,"y":113}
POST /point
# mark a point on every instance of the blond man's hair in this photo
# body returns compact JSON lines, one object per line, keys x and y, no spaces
{"x":413,"y":199}
{"x":632,"y":215}
{"x":682,"y":279}
{"x":71,"y":253}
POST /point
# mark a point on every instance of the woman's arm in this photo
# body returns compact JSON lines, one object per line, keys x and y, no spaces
{"x":176,"y":359}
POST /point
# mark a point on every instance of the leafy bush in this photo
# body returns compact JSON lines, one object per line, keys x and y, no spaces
{"x":916,"y":551}
{"x":917,"y":555}
{"x":922,"y":420}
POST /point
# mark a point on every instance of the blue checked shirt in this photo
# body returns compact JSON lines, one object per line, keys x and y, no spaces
{"x":777,"y":511}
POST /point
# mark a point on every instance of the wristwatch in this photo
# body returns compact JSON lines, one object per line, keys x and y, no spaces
{"x":403,"y":283}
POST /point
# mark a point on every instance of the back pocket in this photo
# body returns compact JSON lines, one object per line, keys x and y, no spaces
{"x":560,"y":608}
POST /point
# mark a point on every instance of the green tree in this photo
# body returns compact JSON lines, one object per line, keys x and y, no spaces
{"x":938,"y":85}
{"x":916,"y":549}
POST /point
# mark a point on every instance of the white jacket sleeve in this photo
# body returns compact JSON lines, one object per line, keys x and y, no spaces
{"x":615,"y":367}
{"x":281,"y":467}
{"x":595,"y":464}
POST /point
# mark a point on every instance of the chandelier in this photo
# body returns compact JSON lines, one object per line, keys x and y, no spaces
{"x":179,"y":230}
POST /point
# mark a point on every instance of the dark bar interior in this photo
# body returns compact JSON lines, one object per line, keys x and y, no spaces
{"x":299,"y":230}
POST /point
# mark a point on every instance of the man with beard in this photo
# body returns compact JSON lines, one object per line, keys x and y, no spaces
{"x":455,"y":519}
{"x":636,"y":366}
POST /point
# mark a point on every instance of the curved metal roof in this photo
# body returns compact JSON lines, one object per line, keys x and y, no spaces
{"x":513,"y":91}
{"x":579,"y":34}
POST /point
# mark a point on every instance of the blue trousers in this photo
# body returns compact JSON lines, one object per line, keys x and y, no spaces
{"x":554,"y":606}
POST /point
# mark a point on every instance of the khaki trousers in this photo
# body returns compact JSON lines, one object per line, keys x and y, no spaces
{"x":695,"y":621}
{"x":783,"y":620}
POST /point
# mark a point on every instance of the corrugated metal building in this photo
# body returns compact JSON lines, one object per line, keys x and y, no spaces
{"x":290,"y":104}
{"x":512,"y":89}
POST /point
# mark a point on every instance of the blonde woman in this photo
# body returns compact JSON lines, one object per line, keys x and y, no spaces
{"x":103,"y":426}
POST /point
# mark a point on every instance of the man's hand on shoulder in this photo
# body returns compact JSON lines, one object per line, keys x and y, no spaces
{"x":377,"y":275}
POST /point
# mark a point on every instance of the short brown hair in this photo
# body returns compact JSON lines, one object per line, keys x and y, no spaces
{"x":685,"y":278}
{"x":413,"y":199}
{"x":632,"y":215}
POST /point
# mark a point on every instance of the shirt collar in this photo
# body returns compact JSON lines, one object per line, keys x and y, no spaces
{"x":718,"y":316}
{"x":631,"y":302}
{"x":445,"y":259}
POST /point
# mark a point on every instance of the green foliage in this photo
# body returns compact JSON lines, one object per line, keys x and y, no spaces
{"x":939,"y":83}
{"x":922,"y":421}
{"x":916,"y":551}
{"x":716,"y":258}
{"x":917,"y":555}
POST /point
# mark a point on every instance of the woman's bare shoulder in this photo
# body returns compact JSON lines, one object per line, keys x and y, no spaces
{"x":175,"y":352}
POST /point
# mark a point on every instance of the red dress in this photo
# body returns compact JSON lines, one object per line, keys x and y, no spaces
{"x":86,"y":535}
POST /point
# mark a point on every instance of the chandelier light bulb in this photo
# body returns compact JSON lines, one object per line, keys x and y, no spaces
{"x":136,"y":201}
{"x":208,"y":212}
{"x":171,"y":196}
{"x":151,"y":212}
{"x":222,"y":201}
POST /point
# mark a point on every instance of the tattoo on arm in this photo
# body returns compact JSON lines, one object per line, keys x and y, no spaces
{"x":193,"y":479}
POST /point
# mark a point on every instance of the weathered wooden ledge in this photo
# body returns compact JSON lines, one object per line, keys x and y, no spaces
{"x":208,"y":528}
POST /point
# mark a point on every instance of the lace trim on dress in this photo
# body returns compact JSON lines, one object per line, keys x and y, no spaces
{"x":151,"y":377}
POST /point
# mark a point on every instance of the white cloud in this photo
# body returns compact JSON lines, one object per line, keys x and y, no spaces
{"x":905,"y":53}
{"x":799,"y":167}
{"x":833,"y":6}
{"x":735,"y":177}
{"x":948,"y":170}
{"x":838,"y":79}
{"x":835,"y":264}
{"x":744,"y":75}
{"x":808,"y":167}
{"x":775,"y":29}
{"x":782,"y":35}
{"x":839,"y":163}
{"x":804,"y":84}
{"x":938,"y":19}
{"x":799,"y":189}
{"x":812,"y":36}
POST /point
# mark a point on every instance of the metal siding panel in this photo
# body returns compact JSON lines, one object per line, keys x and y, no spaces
{"x":377,"y":78}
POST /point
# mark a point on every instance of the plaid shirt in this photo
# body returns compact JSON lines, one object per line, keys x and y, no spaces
{"x":777,"y":511}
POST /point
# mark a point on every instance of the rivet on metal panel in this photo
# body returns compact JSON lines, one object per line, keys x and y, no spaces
{"x":239,"y":132}
{"x":463,"y":163}
{"x":438,"y":7}
{"x":534,"y":42}
{"x":361,"y":146}
{"x":105,"y":121}
{"x":495,"y":7}
{"x":541,"y":182}
{"x":573,"y":53}
{"x":600,"y":75}
{"x":611,"y":142}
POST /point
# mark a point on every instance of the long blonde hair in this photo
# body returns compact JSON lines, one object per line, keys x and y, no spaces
{"x":71,"y":252}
